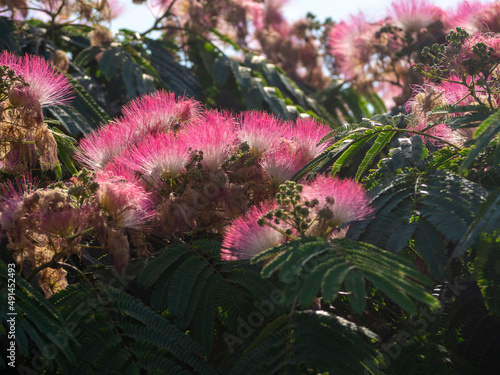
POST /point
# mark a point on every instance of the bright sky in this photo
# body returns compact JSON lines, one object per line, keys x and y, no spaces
{"x":138,"y":18}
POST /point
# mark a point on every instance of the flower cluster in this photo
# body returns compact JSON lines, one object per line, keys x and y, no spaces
{"x":198,"y":168}
{"x":28,"y":84}
{"x":323,"y":207}
{"x":43,"y":227}
{"x":378,"y":55}
{"x":462,"y":72}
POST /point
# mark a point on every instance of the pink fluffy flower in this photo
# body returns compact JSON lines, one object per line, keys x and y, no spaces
{"x":431,"y":95}
{"x":345,"y":198}
{"x":306,"y":135}
{"x":351,"y":43}
{"x":158,"y":157}
{"x":160,"y":112}
{"x":466,"y":51}
{"x":214,"y":135}
{"x":488,"y":18}
{"x":456,"y":93}
{"x":127,"y":201}
{"x":155,"y":113}
{"x":270,"y":15}
{"x":413,"y":15}
{"x":465,"y":16}
{"x":48,"y":86}
{"x":246,"y":238}
{"x":99,"y":148}
{"x":281,"y":164}
{"x":261,"y":131}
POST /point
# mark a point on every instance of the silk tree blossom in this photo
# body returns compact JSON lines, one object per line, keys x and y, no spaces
{"x":465,"y":16}
{"x":99,"y":148}
{"x":466,"y":52}
{"x":261,"y":131}
{"x":306,"y":134}
{"x":160,"y":112}
{"x":48,"y":86}
{"x":155,"y":113}
{"x":488,"y":17}
{"x":431,"y":95}
{"x":128,"y":203}
{"x":245,"y":238}
{"x":299,"y":145}
{"x":345,"y":199}
{"x":352,"y":45}
{"x":158,"y":157}
{"x":214,"y":134}
{"x":281,"y":164}
{"x":18,"y":9}
{"x":413,"y":15}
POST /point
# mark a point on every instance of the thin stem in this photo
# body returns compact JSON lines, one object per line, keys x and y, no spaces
{"x":158,"y":20}
{"x":53,"y":263}
{"x":289,"y":236}
{"x":78,"y":271}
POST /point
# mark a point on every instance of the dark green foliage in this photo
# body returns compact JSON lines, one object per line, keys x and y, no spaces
{"x":487,"y":222}
{"x":434,"y":209}
{"x":196,"y":287}
{"x":82,"y":116}
{"x":309,"y":340}
{"x":486,"y":131}
{"x":84,"y":330}
{"x":311,"y":264}
{"x":487,"y":271}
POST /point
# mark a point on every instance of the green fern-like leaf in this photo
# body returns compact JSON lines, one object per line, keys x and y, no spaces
{"x":434,"y":209}
{"x":483,"y":135}
{"x":486,"y":221}
{"x":487,"y":271}
{"x":382,"y":140}
{"x":309,"y":341}
{"x":325,"y":264}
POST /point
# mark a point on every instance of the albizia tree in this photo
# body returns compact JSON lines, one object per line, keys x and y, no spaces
{"x":323,"y":200}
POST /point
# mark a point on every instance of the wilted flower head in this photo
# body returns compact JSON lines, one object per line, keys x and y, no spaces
{"x":11,"y":197}
{"x":101,"y":36}
{"x":60,"y":60}
{"x":48,"y":86}
{"x":246,"y":238}
{"x":413,"y":15}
